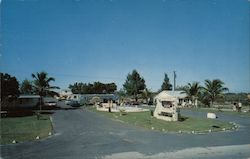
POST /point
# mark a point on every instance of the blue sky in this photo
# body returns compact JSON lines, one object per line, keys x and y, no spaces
{"x":104,"y":40}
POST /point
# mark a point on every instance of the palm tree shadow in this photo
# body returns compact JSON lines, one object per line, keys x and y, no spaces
{"x":16,"y":113}
{"x":182,"y":118}
{"x":48,"y":113}
{"x":58,"y":108}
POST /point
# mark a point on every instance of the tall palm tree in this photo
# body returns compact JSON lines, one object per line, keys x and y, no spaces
{"x":42,"y":85}
{"x":192,"y":91}
{"x":213,"y":90}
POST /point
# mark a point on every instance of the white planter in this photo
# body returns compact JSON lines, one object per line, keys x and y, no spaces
{"x":211,"y":115}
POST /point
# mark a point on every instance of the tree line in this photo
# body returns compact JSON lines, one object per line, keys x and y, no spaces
{"x":95,"y":88}
{"x":134,"y":86}
{"x":208,"y":94}
{"x":39,"y":85}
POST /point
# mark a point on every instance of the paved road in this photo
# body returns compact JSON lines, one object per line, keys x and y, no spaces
{"x":81,"y":134}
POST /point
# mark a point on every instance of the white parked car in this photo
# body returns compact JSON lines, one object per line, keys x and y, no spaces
{"x":48,"y":101}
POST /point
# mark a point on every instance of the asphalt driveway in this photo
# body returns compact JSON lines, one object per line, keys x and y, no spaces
{"x":81,"y":134}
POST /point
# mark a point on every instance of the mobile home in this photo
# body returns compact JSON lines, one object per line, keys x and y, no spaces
{"x":28,"y":101}
{"x":83,"y":99}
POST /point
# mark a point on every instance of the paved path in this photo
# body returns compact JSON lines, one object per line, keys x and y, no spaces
{"x":81,"y":134}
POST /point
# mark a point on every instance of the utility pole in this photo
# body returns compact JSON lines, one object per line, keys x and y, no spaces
{"x":174,"y":81}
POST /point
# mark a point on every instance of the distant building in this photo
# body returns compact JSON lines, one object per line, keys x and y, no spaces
{"x":65,"y":94}
{"x":89,"y":98}
{"x":181,"y":97}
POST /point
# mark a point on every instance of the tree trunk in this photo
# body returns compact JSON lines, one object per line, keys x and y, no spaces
{"x":136,"y":98}
{"x":40,"y":103}
{"x":196,"y":103}
{"x":211,"y":103}
{"x":109,"y":106}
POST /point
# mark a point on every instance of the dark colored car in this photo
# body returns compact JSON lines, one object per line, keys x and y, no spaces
{"x":74,"y":104}
{"x":67,"y":102}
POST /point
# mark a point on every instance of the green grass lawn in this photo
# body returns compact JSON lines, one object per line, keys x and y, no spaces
{"x":214,"y":110}
{"x":24,"y":128}
{"x":187,"y":125}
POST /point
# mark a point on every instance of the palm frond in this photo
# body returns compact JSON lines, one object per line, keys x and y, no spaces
{"x":41,"y":83}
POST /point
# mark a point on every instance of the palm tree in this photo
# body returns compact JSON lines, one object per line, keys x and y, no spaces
{"x":213,"y":90}
{"x":42,"y":85}
{"x":192,"y":91}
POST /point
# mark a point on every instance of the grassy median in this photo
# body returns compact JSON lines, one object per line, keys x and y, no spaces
{"x":24,"y":128}
{"x":214,"y":110}
{"x":185,"y":125}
